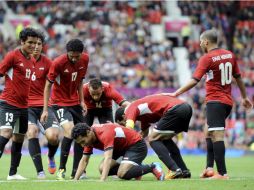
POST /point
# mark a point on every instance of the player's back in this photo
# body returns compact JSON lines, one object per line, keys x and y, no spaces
{"x":222,"y":66}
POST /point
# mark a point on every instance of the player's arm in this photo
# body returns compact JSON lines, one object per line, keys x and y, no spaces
{"x":124,"y":103}
{"x":81,"y":97}
{"x":188,"y":86}
{"x":144,"y":132}
{"x":106,"y":163}
{"x":82,"y":166}
{"x":46,"y":94}
{"x":245,"y":100}
{"x":6,"y":64}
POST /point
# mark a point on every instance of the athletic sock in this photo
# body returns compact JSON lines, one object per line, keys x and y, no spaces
{"x":219,"y":156}
{"x":15,"y":157}
{"x":137,"y":171}
{"x":161,"y":150}
{"x":65,"y":149}
{"x":35,"y":153}
{"x":52,"y":150}
{"x":3,"y":142}
{"x":175,"y":153}
{"x":210,"y":153}
{"x":78,"y":152}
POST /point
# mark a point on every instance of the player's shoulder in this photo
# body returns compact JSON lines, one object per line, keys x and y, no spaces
{"x":61,"y":58}
{"x":45,"y":59}
{"x":85,"y":56}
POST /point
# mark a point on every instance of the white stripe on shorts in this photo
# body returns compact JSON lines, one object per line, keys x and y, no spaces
{"x":216,"y":129}
{"x":129,"y":162}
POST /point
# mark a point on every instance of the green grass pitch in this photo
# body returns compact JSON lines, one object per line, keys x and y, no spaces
{"x":241,"y":172}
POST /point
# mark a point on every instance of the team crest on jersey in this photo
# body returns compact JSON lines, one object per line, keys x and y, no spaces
{"x":21,"y":64}
{"x":41,"y":68}
{"x":66,"y":71}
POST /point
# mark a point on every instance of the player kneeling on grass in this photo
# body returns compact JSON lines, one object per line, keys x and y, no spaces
{"x":116,"y":141}
{"x":172,"y":116}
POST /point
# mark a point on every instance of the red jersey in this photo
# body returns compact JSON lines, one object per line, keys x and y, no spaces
{"x":38,"y":81}
{"x":17,"y":70}
{"x":107,"y":96}
{"x":67,"y":77}
{"x":219,"y":65}
{"x":150,"y":109}
{"x":113,"y":136}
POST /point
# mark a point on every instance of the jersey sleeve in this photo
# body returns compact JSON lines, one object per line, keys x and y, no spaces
{"x":86,"y":61}
{"x":131,"y":114}
{"x":7,"y":63}
{"x":54,"y":71}
{"x":115,"y":95}
{"x":88,"y":150}
{"x":236,"y":71}
{"x":108,"y":139}
{"x":202,"y":68}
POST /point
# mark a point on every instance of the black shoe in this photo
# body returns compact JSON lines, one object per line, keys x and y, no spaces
{"x":186,"y":174}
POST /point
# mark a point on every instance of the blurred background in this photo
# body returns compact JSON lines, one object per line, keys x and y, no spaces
{"x":145,"y":47}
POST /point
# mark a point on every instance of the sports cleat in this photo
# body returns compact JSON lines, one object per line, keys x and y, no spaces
{"x":157,"y":171}
{"x":218,"y":176}
{"x":174,"y":174}
{"x":51,"y":165}
{"x":16,"y":177}
{"x":83,"y":176}
{"x":186,"y":174}
{"x":41,"y":175}
{"x":61,"y":174}
{"x":208,"y":172}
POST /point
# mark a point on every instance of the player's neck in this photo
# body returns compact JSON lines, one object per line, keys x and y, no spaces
{"x":25,"y":53}
{"x":211,"y":47}
{"x":37,"y":57}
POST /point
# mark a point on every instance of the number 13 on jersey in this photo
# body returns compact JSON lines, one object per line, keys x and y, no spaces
{"x":226,"y":73}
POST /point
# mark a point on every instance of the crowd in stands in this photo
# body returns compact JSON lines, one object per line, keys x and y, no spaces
{"x":118,"y":39}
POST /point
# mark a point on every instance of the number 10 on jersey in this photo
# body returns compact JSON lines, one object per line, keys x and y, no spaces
{"x":226,"y":73}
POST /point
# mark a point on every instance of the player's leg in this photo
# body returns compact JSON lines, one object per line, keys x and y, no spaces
{"x":131,"y":165}
{"x":65,"y":119}
{"x":78,"y":117}
{"x":52,"y":132}
{"x":33,"y":141}
{"x":216,"y":116}
{"x":20,"y":129}
{"x":114,"y":166}
{"x":6,"y":123}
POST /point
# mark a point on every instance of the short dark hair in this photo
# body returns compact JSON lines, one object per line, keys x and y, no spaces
{"x":75,"y":45}
{"x":80,"y":129}
{"x":95,"y":83}
{"x":210,"y":35}
{"x":41,"y":36}
{"x":27,"y":32}
{"x":119,"y":114}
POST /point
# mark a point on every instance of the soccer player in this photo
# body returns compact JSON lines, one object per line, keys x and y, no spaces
{"x":98,"y":98}
{"x":35,"y":103}
{"x":171,"y":116}
{"x":67,"y":73}
{"x":17,"y":68}
{"x":116,"y":141}
{"x":219,"y":65}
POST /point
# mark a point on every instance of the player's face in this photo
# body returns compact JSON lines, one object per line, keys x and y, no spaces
{"x":38,"y":47}
{"x":96,"y":94}
{"x":203,"y":44}
{"x":85,"y":141}
{"x":28,"y":46}
{"x":74,"y":56}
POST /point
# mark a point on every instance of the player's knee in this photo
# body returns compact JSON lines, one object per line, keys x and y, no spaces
{"x":32,"y":133}
{"x":53,"y":138}
{"x":121,"y":173}
{"x":100,"y":168}
{"x":18,"y":138}
{"x":7,"y":133}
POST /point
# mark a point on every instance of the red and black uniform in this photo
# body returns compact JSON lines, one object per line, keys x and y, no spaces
{"x":18,"y":70}
{"x":35,"y":98}
{"x":124,"y":142}
{"x":67,"y":77}
{"x":172,"y":114}
{"x":220,"y":66}
{"x":102,"y":108}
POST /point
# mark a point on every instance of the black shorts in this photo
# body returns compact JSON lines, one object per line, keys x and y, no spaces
{"x":104,"y":115}
{"x":216,"y":114}
{"x":135,"y":154}
{"x":65,"y":114}
{"x":14,"y":118}
{"x":34,"y":115}
{"x":175,"y":120}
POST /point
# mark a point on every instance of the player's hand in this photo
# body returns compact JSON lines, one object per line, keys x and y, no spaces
{"x":173,"y":94}
{"x":84,"y":108}
{"x":44,"y":117}
{"x":247,"y":103}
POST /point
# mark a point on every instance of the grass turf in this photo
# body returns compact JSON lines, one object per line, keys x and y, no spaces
{"x":240,"y":171}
